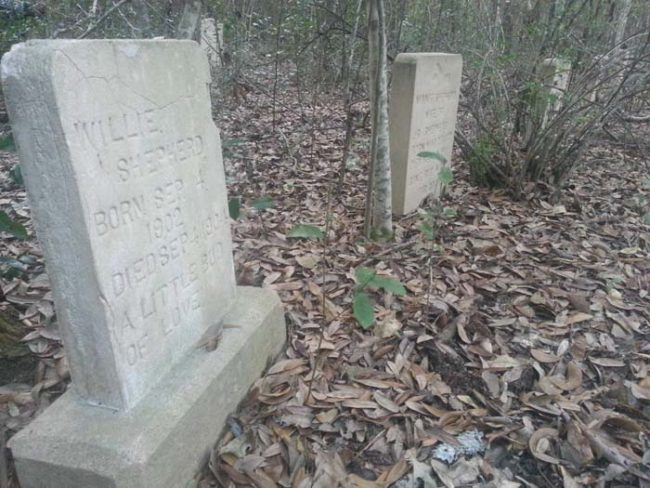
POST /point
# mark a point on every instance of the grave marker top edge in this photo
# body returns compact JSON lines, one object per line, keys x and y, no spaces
{"x":50,"y":86}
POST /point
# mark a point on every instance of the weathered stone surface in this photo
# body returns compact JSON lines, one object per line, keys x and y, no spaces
{"x":556,"y":74}
{"x":423,"y":106}
{"x":546,"y":97}
{"x":123,"y":169}
{"x":124,"y":174}
{"x":212,"y":41}
{"x":162,"y":441}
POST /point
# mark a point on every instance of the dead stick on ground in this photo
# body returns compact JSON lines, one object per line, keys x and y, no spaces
{"x":211,"y":342}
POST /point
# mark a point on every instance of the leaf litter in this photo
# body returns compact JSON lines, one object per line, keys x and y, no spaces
{"x":518,"y":356}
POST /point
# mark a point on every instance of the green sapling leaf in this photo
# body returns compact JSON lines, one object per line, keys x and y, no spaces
{"x":446,"y":176}
{"x":306,"y":231}
{"x":363,"y":310}
{"x":389,"y":284}
{"x":16,"y":174}
{"x":436,"y":156}
{"x":7,"y":143}
{"x":263,"y":203}
{"x":364,"y":276}
{"x":427,"y":229}
{"x":11,"y":227}
{"x":449,"y":212}
{"x":234,"y":208}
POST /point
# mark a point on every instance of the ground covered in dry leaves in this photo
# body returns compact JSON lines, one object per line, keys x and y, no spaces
{"x":518,"y":357}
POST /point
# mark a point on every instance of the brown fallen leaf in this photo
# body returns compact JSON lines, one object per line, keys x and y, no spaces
{"x":573,"y":377}
{"x":576,"y":318}
{"x":541,"y":442}
{"x":607,"y":362}
{"x":355,"y":481}
{"x":395,"y":473}
{"x":640,"y":391}
{"x":582,"y":454}
{"x":386,"y":402}
{"x":359,"y":404}
{"x":579,"y":302}
{"x":604,"y":447}
{"x":285,"y":365}
{"x":543,"y":356}
{"x":328,"y":416}
{"x":568,"y":480}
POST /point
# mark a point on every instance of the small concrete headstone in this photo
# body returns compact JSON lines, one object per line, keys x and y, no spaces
{"x":547,"y":99}
{"x":212,"y":41}
{"x":556,"y":74}
{"x":123,"y":169}
{"x":423,"y":107}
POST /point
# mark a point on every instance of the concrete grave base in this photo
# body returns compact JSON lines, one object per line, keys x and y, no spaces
{"x":163,"y":440}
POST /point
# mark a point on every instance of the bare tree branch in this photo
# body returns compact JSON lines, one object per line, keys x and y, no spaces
{"x":106,"y":15}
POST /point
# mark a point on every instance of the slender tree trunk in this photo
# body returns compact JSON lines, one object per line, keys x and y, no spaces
{"x":378,"y":205}
{"x":349,"y":119}
{"x":278,"y":31}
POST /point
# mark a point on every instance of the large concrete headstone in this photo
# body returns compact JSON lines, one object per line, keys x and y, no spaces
{"x":123,"y":168}
{"x":423,"y":106}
